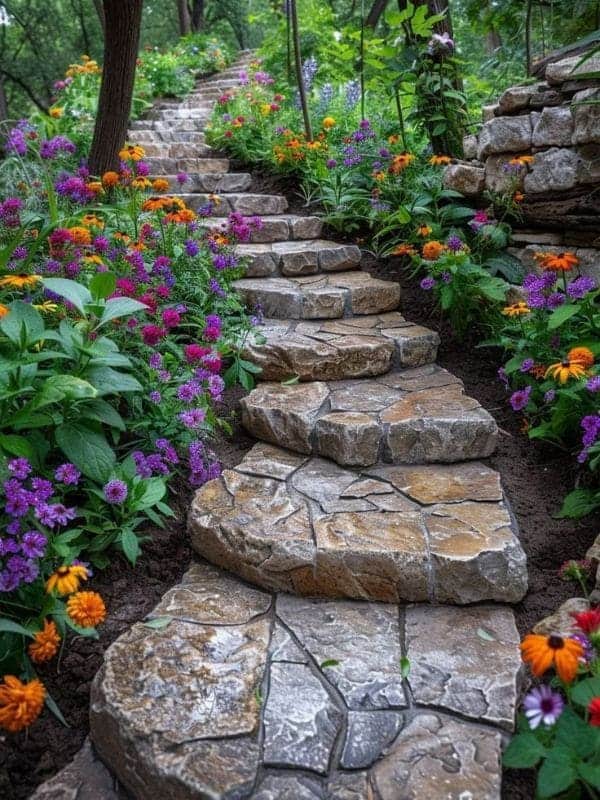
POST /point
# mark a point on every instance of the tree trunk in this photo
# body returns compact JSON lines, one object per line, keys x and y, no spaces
{"x":185,"y":23}
{"x":123,"y":21}
{"x":198,"y":15}
{"x":528,"y":53}
{"x":3,"y":101}
{"x":298,"y":62}
{"x":493,"y":41}
{"x":375,"y":13}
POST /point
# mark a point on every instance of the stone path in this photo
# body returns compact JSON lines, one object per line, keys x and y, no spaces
{"x":352,"y":553}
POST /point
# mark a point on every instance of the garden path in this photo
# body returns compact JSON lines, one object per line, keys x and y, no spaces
{"x":364,"y":490}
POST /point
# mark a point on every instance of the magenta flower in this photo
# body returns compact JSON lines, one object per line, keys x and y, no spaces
{"x":520,"y":398}
{"x":115,"y":492}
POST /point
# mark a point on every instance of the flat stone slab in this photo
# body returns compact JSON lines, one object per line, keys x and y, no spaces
{"x":306,"y":526}
{"x":277,"y":228}
{"x":327,"y":296}
{"x":243,"y":202}
{"x":355,"y":347}
{"x":328,"y":697}
{"x":291,"y":259}
{"x":418,"y":415}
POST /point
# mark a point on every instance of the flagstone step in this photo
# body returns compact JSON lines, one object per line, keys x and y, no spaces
{"x":304,"y":525}
{"x":246,"y":203}
{"x":211,"y":182}
{"x":177,"y":150}
{"x":192,"y":125}
{"x":169,"y":166}
{"x":241,"y":694}
{"x":356,"y":347}
{"x":414,"y":416}
{"x":299,"y":258}
{"x":328,"y":296}
{"x":152,"y":136}
{"x":278,"y":228}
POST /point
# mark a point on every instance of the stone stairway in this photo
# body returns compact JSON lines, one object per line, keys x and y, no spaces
{"x":357,"y":534}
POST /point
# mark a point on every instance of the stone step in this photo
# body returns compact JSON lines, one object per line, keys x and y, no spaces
{"x":247,"y":695}
{"x":299,"y":258}
{"x":212,"y":182}
{"x":178,"y":150}
{"x":173,"y":114}
{"x":152,"y":136}
{"x":412,"y":416}
{"x":201,"y":166}
{"x":320,"y":296}
{"x":357,"y":347}
{"x":278,"y":228}
{"x":292,"y":523}
{"x":244,"y":202}
{"x":192,"y":125}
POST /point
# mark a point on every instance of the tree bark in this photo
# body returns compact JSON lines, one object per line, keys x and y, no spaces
{"x":185,"y":23}
{"x":123,"y":21}
{"x":528,"y":53}
{"x":198,"y":15}
{"x":298,"y":61}
{"x":375,"y":13}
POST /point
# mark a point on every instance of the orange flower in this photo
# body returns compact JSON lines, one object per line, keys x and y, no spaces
{"x":80,"y":235}
{"x":516,"y":309}
{"x":379,"y":176}
{"x":87,"y":609}
{"x":423,"y":230}
{"x":20,"y":703}
{"x":56,"y":113}
{"x":400,"y":162}
{"x":557,"y":262}
{"x":110,"y":179}
{"x":394,"y":138}
{"x":122,"y":237}
{"x":94,"y":186}
{"x":432,"y":250}
{"x":3,"y":310}
{"x":160,"y":185}
{"x":19,"y":281}
{"x":67,"y":579}
{"x":404,"y":249}
{"x":438,"y":161}
{"x":538,"y":371}
{"x":92,"y":221}
{"x":521,"y":161}
{"x":328,"y":123}
{"x":45,"y":643}
{"x":141,"y":183}
{"x":183,"y":217}
{"x":542,"y":652}
{"x":132,"y":152}
{"x":518,"y":197}
{"x":581,"y":355}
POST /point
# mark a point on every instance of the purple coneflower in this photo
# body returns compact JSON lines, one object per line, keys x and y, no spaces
{"x":543,"y":705}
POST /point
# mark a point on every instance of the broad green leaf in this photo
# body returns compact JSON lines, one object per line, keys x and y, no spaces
{"x":8,"y":626}
{"x":578,"y":504}
{"x":130,"y":545}
{"x":557,"y":772}
{"x":110,"y":381}
{"x":16,"y":445}
{"x":120,"y":307}
{"x":523,"y":751}
{"x":23,"y":324}
{"x":102,"y":285}
{"x":74,"y":292}
{"x":560,"y":315}
{"x":585,"y":691}
{"x":87,"y":449}
{"x":158,"y":622}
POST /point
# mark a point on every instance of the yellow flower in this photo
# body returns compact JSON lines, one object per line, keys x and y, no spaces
{"x":328,"y":123}
{"x":160,"y":185}
{"x":92,"y":221}
{"x":400,"y":162}
{"x":56,"y":113}
{"x":132,"y":152}
{"x":87,"y":609}
{"x":47,"y":307}
{"x":19,"y":281}
{"x":562,"y":371}
{"x":66,"y":579}
{"x":80,"y":235}
{"x":265,"y":109}
{"x":20,"y":703}
{"x":516,"y":309}
{"x":45,"y":643}
{"x":141,"y":183}
{"x":379,"y":176}
{"x":423,"y":230}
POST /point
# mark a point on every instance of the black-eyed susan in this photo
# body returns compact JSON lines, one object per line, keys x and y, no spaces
{"x":67,"y":579}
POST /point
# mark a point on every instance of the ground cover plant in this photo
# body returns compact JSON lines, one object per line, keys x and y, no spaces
{"x":119,"y":333}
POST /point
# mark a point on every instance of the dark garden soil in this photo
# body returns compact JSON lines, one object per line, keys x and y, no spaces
{"x":535,"y":477}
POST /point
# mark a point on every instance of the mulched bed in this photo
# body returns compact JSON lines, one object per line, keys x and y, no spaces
{"x":535,"y":477}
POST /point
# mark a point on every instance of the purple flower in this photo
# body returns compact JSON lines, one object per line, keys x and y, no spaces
{"x":543,"y":705}
{"x":33,"y":544}
{"x":580,"y":287}
{"x":19,"y":468}
{"x":188,"y":392}
{"x":155,"y":397}
{"x":191,"y":248}
{"x":549,"y":396}
{"x":155,"y":361}
{"x":68,"y":474}
{"x":331,"y":163}
{"x":42,"y":489}
{"x":427,"y":284}
{"x":593,"y":385}
{"x":455,"y":243}
{"x":556,"y":299}
{"x":216,"y":385}
{"x":182,"y":177}
{"x":192,"y":418}
{"x":520,"y":398}
{"x":115,"y":492}
{"x":527,"y":365}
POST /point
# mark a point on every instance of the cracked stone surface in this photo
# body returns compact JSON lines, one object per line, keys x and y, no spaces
{"x":327,"y":296}
{"x":462,"y":678}
{"x":368,"y":734}
{"x":355,"y":347}
{"x":304,"y":525}
{"x":295,"y":258}
{"x":440,"y":758}
{"x":410,"y":416}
